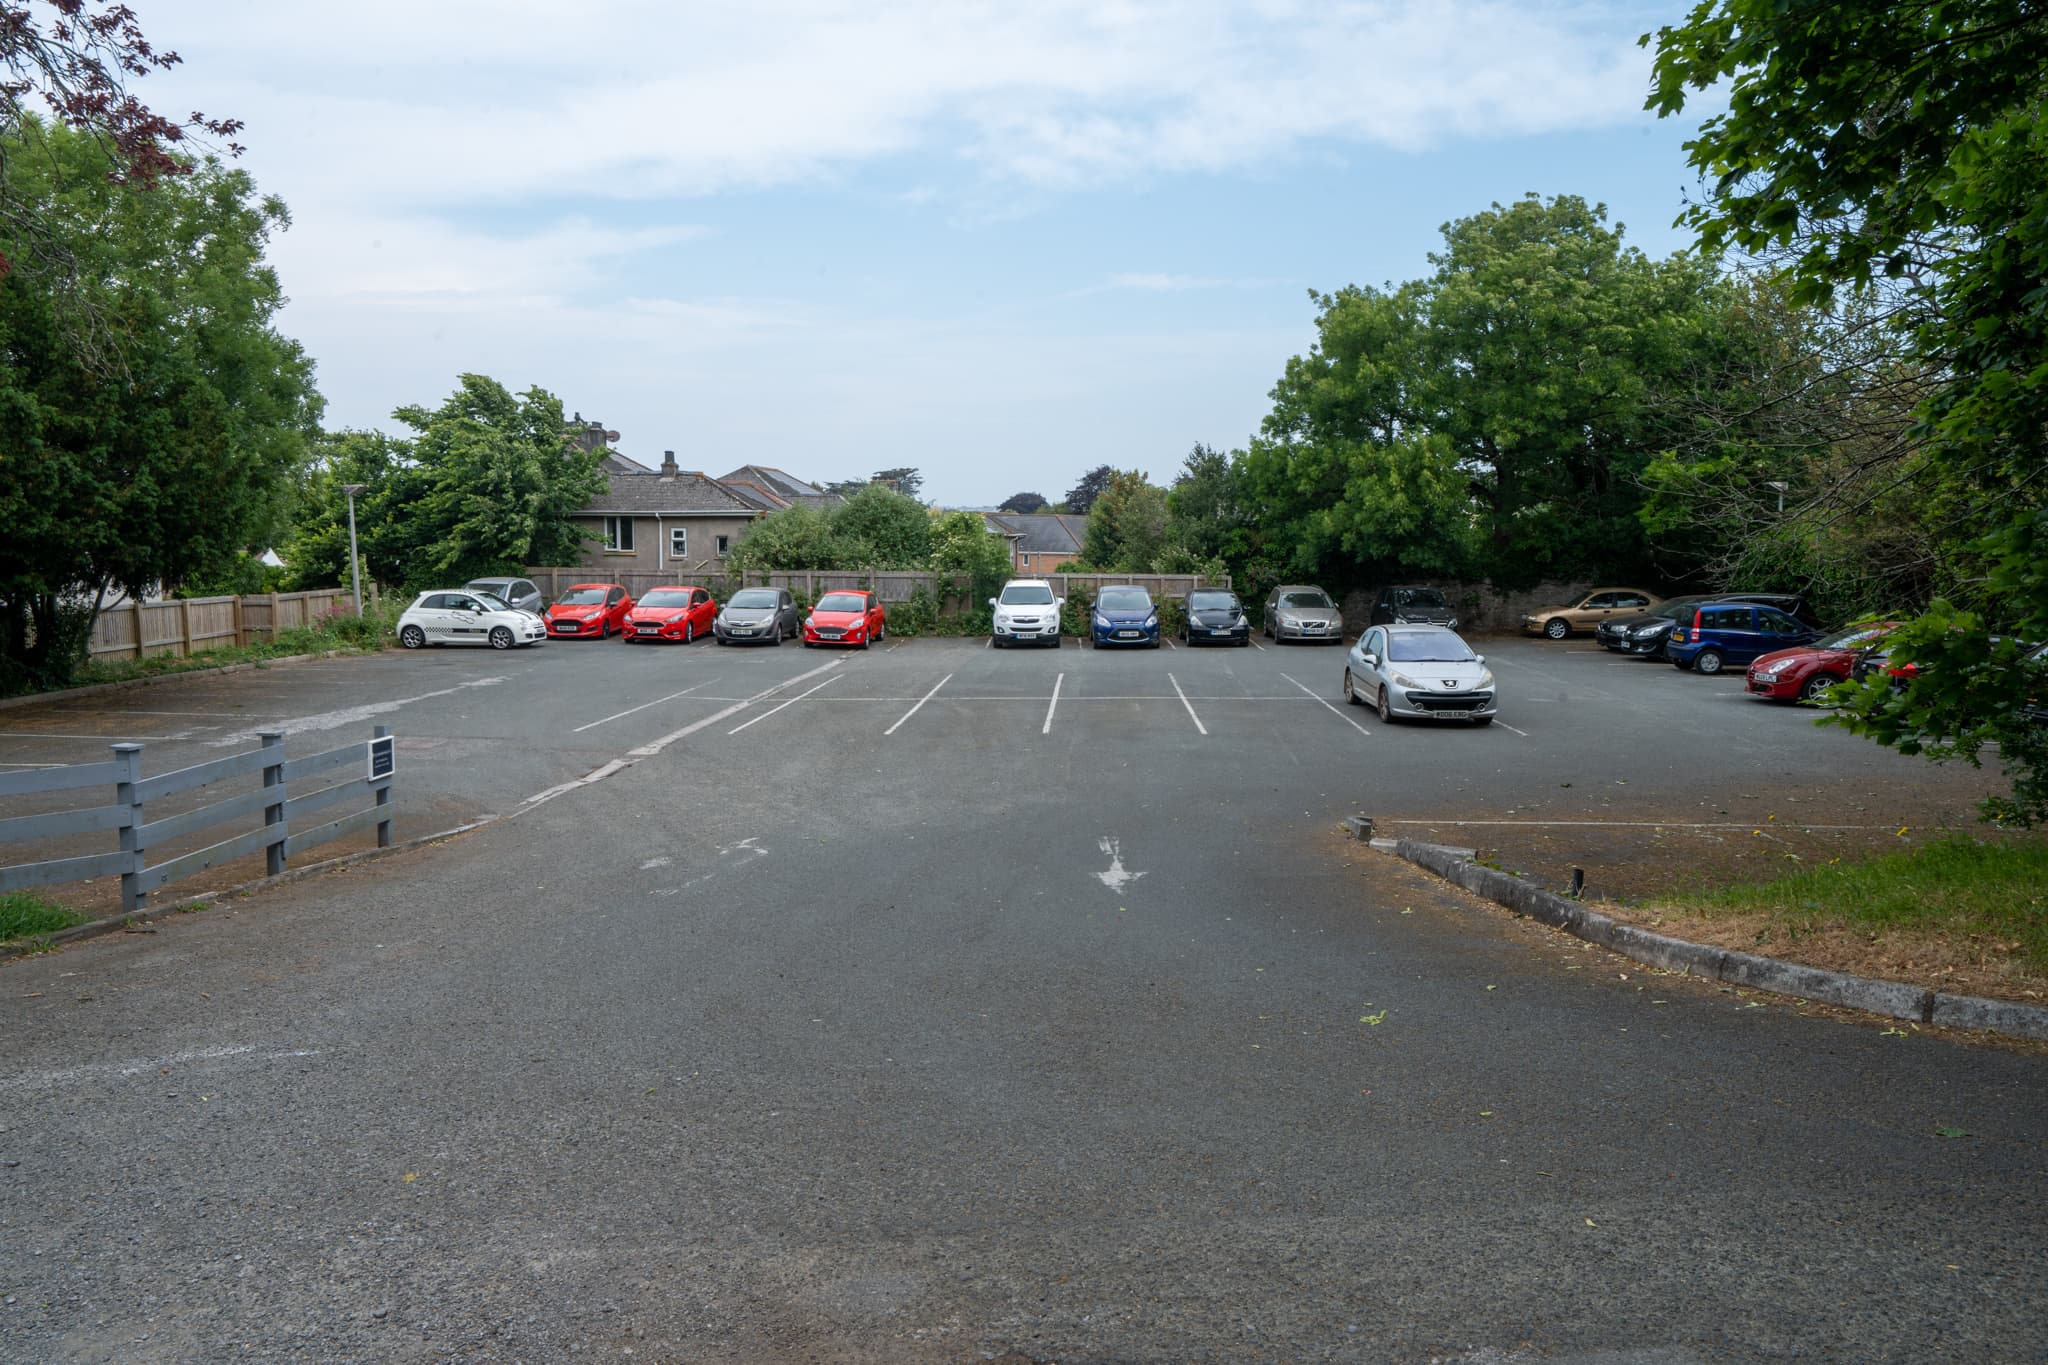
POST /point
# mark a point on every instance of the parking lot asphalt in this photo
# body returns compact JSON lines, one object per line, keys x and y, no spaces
{"x":937,"y":1002}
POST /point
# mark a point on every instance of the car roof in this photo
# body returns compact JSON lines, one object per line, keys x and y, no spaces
{"x":1027,"y":582}
{"x":573,"y":586}
{"x":1299,"y":587}
{"x":1416,"y":629}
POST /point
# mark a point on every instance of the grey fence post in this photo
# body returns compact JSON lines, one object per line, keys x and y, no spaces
{"x":273,"y":813}
{"x":129,"y":756}
{"x":384,"y":799}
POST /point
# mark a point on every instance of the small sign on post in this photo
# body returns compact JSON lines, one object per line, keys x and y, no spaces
{"x":383,"y":756}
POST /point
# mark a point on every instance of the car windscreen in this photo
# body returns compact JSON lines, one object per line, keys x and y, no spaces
{"x":754,"y":599}
{"x":1853,"y":637}
{"x":667,"y":597}
{"x":1027,"y":595}
{"x":491,"y":601}
{"x":1124,"y":599}
{"x":1436,"y":647}
{"x":842,"y":601}
{"x":1421,"y":599}
{"x":1212,"y":601}
{"x":581,"y":597}
{"x":497,"y":587}
{"x":1312,"y":600}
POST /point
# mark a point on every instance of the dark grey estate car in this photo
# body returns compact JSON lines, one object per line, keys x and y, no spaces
{"x":517,"y":593}
{"x":1413,"y":605}
{"x":757,"y":614}
{"x":1299,"y":611}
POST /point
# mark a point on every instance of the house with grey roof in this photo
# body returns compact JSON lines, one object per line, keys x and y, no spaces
{"x":773,"y":489}
{"x":662,"y":521}
{"x":1039,"y":541}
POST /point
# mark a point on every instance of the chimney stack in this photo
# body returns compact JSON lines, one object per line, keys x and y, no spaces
{"x":668,"y":464}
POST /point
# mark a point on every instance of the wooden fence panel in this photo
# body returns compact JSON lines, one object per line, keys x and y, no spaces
{"x":114,"y":634}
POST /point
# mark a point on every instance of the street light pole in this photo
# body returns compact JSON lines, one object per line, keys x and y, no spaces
{"x":354,"y":565}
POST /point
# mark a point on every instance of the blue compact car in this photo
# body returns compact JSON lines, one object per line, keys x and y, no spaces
{"x":1722,"y":633}
{"x":1124,"y":616}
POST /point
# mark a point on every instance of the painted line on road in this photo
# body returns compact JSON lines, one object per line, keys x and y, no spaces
{"x":1259,"y":647}
{"x":915,"y":709}
{"x":1325,"y":704}
{"x":1505,"y":726}
{"x":1638,"y":824}
{"x":784,"y":707}
{"x":1052,"y":705}
{"x":633,"y":756}
{"x":150,"y":1066}
{"x":642,"y":707}
{"x":332,"y":720}
{"x":117,"y":738}
{"x":1185,"y":702}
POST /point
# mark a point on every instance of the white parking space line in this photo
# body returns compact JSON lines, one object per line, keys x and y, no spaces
{"x":1505,"y":726}
{"x":1185,"y":702}
{"x":1259,"y":647}
{"x":1326,"y":705}
{"x":917,"y":708}
{"x":1634,"y":824}
{"x":642,"y":707}
{"x":1171,"y":645}
{"x":104,"y":739}
{"x":1052,"y":705}
{"x":330,"y":720}
{"x":785,"y":706}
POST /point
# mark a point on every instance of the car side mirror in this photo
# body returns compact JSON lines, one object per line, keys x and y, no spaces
{"x":1371,"y":658}
{"x":991,"y":601}
{"x":1478,"y":658}
{"x":1059,"y":601}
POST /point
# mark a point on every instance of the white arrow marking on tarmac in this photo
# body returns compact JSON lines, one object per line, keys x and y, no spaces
{"x":1116,"y":879}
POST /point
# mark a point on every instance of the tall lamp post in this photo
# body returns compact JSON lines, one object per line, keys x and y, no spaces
{"x":1781,"y":486}
{"x":354,"y":565}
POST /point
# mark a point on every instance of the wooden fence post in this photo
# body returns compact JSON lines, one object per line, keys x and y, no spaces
{"x":273,"y":813}
{"x":185,"y":626}
{"x":129,"y":756}
{"x":384,"y":799}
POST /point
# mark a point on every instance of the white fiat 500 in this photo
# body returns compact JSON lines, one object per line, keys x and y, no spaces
{"x":1420,"y":673}
{"x":1027,"y":610}
{"x":467,"y":617}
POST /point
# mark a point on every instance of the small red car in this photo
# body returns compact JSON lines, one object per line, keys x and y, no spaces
{"x":1803,"y":673}
{"x":846,"y":616}
{"x":589,"y":611}
{"x":671,"y":614}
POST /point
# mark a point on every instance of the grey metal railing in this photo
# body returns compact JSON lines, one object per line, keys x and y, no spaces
{"x":282,"y":833}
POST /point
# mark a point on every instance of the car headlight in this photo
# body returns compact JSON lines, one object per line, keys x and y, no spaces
{"x":1486,"y":678}
{"x":1102,"y":621}
{"x":1773,"y":670}
{"x":1454,"y":623}
{"x":1400,"y":680}
{"x":1152,"y":620}
{"x":811,"y":622}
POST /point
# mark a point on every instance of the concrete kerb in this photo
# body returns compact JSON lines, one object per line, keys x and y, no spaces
{"x":1893,"y":999}
{"x":115,"y":923}
{"x":125,"y":684}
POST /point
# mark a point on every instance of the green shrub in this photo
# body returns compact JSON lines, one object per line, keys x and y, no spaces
{"x":23,"y":915}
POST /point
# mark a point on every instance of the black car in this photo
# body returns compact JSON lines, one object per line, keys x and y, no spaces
{"x":1214,"y":616}
{"x":1413,"y":605}
{"x":1645,"y":635}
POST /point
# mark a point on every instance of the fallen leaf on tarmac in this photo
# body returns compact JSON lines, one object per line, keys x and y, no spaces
{"x":1895,"y":1033}
{"x":411,"y":1176}
{"x":1493,"y":988}
{"x":1486,"y":1113}
{"x":1951,"y":1132}
{"x":1373,"y":1019}
{"x":1591,"y":1224}
{"x":1754,"y":1005}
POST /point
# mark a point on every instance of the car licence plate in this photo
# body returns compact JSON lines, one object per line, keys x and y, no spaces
{"x":831,"y":634}
{"x":1127,"y":634}
{"x":649,"y":630}
{"x":1455,"y":715}
{"x":1219,"y":632}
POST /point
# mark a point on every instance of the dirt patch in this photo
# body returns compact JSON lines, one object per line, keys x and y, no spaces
{"x":1632,"y":866}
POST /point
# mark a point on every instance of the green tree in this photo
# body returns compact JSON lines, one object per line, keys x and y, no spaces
{"x":905,"y":480}
{"x":1127,"y":524}
{"x":1206,"y":516}
{"x":963,"y":544}
{"x":1024,"y":504}
{"x":1083,"y":495}
{"x":893,"y":530}
{"x":173,"y":450}
{"x":1894,"y":155}
{"x":797,"y":537}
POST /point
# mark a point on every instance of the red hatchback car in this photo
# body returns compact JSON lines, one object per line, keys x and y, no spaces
{"x":1802,"y":674}
{"x":671,"y":614}
{"x":589,"y":611}
{"x":846,"y":617}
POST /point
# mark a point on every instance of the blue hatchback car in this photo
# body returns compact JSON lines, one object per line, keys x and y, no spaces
{"x":1125,"y":616}
{"x":1723,"y":633}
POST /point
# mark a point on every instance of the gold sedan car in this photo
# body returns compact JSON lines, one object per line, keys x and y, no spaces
{"x":1588,"y":612}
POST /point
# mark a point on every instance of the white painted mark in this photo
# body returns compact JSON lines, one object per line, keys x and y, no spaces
{"x":1052,"y":705}
{"x":747,"y":848}
{"x":642,"y":707}
{"x":1636,"y":824}
{"x":920,"y":705}
{"x":1185,"y":702}
{"x":145,"y":1066}
{"x":1259,"y":647}
{"x":653,"y":863}
{"x":784,"y":707}
{"x":1505,"y":726}
{"x":650,"y":750}
{"x":1326,"y":705}
{"x":1116,"y":879}
{"x":333,"y":720}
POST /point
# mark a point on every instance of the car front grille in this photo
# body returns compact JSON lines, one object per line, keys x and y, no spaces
{"x":1453,"y":701}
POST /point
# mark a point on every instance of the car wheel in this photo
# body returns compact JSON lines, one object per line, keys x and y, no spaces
{"x":412,"y":637}
{"x":1351,"y":697}
{"x":1386,"y":707}
{"x":689,"y":632}
{"x":881,"y":632}
{"x":501,"y":638}
{"x":1707,"y":661}
{"x":1813,"y":688}
{"x":864,"y":642}
{"x":1557,"y":628}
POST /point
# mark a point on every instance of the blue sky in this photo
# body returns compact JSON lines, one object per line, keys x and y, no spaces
{"x":1004,"y":243}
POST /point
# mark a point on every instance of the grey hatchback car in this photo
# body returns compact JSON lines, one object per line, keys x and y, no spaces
{"x":517,"y":593}
{"x":756,"y":614}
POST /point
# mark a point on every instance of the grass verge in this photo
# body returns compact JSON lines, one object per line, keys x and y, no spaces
{"x":28,"y":916}
{"x":1960,"y":900}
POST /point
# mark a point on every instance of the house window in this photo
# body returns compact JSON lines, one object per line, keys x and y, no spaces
{"x":618,"y":535}
{"x":724,"y":544}
{"x":678,"y":542}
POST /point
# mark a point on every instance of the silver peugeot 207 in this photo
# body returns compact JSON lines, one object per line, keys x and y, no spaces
{"x":1420,"y":673}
